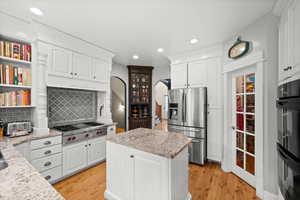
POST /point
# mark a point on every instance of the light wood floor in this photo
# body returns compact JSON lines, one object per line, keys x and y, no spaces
{"x":205,"y":183}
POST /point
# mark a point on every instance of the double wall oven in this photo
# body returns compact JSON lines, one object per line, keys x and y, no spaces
{"x":288,"y":144}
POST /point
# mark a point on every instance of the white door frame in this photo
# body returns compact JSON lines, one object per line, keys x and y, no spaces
{"x":255,"y":59}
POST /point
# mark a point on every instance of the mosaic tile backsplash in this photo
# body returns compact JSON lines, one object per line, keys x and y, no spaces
{"x":16,"y":114}
{"x":67,"y":106}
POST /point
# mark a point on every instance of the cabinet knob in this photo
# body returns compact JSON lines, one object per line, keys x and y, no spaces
{"x":94,"y":77}
{"x":89,"y":144}
{"x":47,"y":142}
{"x":47,"y":152}
{"x":71,"y":73}
{"x":48,"y":177}
{"x":75,"y":74}
{"x":132,"y":156}
{"x":86,"y":145}
{"x":47,"y":164}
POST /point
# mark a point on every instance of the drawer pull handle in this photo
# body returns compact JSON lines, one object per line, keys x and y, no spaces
{"x":132,"y":156}
{"x":47,"y":164}
{"x":48,"y":177}
{"x":48,"y":152}
{"x":47,"y":142}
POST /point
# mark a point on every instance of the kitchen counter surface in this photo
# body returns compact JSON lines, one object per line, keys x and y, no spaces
{"x":166,"y":144}
{"x":33,"y":136}
{"x":20,"y":180}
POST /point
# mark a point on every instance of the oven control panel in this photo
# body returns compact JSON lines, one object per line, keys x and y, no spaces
{"x":70,"y":139}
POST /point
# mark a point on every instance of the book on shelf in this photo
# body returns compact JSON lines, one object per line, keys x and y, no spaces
{"x":15,"y":98}
{"x":13,"y":75}
{"x":15,"y":50}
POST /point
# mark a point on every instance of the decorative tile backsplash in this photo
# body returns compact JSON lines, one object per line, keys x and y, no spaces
{"x":67,"y":106}
{"x":16,"y":114}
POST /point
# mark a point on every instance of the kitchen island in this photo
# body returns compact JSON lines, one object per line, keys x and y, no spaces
{"x":147,"y":164}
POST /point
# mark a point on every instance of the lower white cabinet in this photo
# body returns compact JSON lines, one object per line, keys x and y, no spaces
{"x":74,"y":157}
{"x":214,"y":134}
{"x":80,"y":155}
{"x":136,"y":175}
{"x":53,"y":174}
{"x":96,"y":150}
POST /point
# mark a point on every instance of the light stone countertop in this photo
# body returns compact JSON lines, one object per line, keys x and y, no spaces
{"x":166,"y":144}
{"x":20,"y":180}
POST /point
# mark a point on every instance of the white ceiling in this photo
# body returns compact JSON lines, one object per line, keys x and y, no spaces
{"x":128,"y":27}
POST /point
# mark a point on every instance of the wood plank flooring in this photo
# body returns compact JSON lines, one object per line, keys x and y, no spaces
{"x":205,"y":183}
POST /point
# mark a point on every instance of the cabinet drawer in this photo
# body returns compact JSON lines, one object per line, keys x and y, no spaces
{"x":52,"y":175}
{"x":46,"y":163}
{"x":36,"y":144}
{"x":47,"y":151}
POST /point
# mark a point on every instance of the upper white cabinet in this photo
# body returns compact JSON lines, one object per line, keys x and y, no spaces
{"x":179,"y":75}
{"x":70,"y":69}
{"x":197,"y":74}
{"x":100,"y":70}
{"x":289,"y":42}
{"x":61,"y":62}
{"x":203,"y":73}
{"x":82,"y":66}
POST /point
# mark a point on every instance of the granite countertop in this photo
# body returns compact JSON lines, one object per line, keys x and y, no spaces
{"x":33,"y":136}
{"x":166,"y":144}
{"x":20,"y":180}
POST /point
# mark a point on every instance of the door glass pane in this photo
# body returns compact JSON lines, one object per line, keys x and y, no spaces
{"x":240,"y":122}
{"x":240,"y":159}
{"x":250,"y":123}
{"x":250,"y":164}
{"x":250,"y":83}
{"x":250,"y":103}
{"x":240,"y":103}
{"x":240,"y":140}
{"x":240,"y":84}
{"x":250,"y":146}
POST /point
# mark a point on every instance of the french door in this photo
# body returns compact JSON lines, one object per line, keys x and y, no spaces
{"x":243,"y":119}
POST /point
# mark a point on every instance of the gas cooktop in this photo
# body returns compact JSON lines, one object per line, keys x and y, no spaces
{"x":77,"y":126}
{"x":65,"y":128}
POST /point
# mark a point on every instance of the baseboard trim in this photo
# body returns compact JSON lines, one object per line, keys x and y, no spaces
{"x":270,"y":196}
{"x":110,"y":196}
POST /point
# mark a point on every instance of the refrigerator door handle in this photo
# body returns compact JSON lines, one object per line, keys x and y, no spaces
{"x":182,"y":108}
{"x":185,"y":105}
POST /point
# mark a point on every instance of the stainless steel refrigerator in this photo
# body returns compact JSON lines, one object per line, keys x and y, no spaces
{"x":188,"y":115}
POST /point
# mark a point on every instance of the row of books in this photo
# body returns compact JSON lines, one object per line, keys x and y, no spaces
{"x":15,"y":50}
{"x":15,"y":75}
{"x":15,"y":98}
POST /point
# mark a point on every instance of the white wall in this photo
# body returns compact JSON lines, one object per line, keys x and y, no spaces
{"x":264,"y":36}
{"x":160,"y":91}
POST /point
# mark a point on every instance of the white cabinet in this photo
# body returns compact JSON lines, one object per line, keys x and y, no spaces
{"x":148,"y":168}
{"x":197,"y":74}
{"x":96,"y":150}
{"x":74,"y":157}
{"x":289,"y":43}
{"x":82,"y":66}
{"x":202,"y":73}
{"x":61,"y":62}
{"x":179,"y":76}
{"x":135,"y":175}
{"x":81,"y":155}
{"x":214,"y":134}
{"x":111,"y":130}
{"x":100,"y":71}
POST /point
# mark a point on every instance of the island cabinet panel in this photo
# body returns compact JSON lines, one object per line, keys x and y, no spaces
{"x":135,"y":175}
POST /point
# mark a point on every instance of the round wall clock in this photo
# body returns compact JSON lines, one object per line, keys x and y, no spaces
{"x":239,"y":49}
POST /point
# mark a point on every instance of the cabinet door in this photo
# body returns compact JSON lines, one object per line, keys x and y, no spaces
{"x":197,"y":74}
{"x":147,"y":176}
{"x":179,"y":76}
{"x":74,"y":157}
{"x":295,"y":35}
{"x":96,"y":150}
{"x":214,"y":134}
{"x":61,"y":62}
{"x":100,"y":71}
{"x":82,"y":66}
{"x":214,"y":79}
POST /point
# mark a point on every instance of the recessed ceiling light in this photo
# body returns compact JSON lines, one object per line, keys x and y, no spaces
{"x":135,"y":57}
{"x":194,"y":41}
{"x":160,"y":50}
{"x":36,"y":11}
